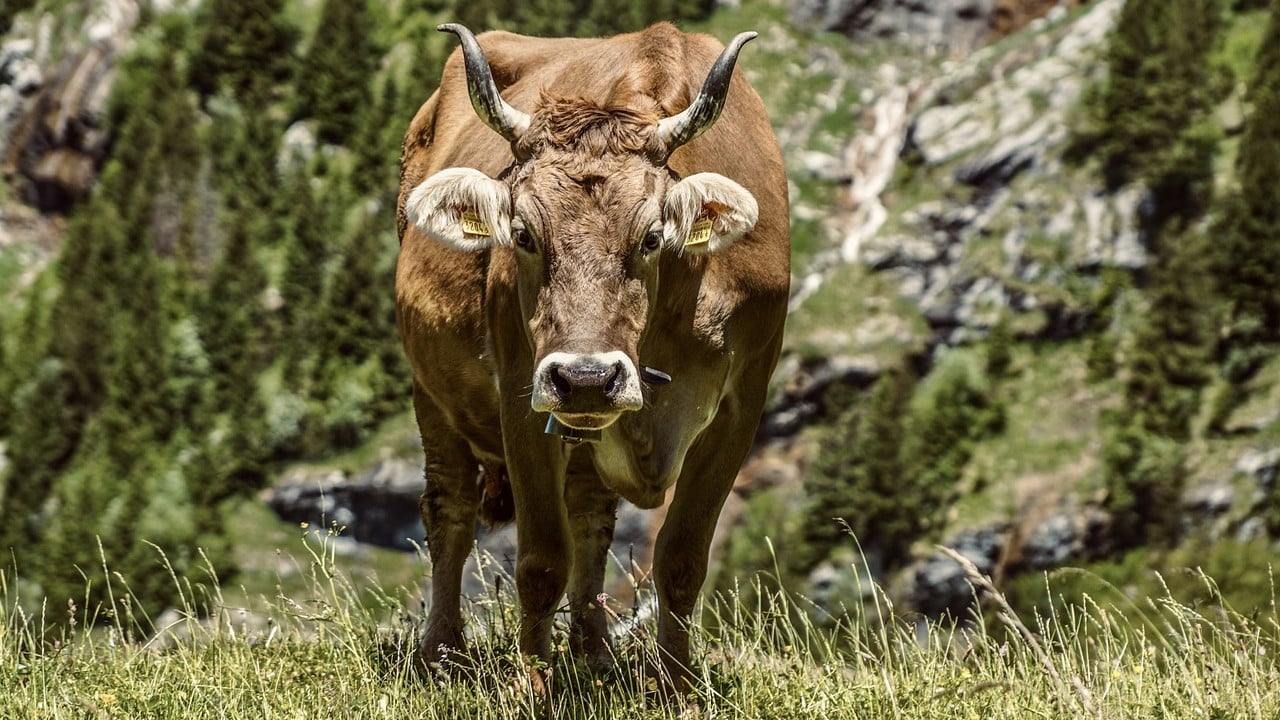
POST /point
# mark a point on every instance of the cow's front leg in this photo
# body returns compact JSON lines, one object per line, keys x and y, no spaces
{"x":592,"y":511}
{"x":680,"y":552}
{"x":536,"y":465}
{"x":449,"y":504}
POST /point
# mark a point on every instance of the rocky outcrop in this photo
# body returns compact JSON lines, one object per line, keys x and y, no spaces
{"x":948,"y":25}
{"x":377,"y":506}
{"x":953,"y":26}
{"x":1010,"y":16}
{"x":52,"y":113}
{"x":989,"y":135}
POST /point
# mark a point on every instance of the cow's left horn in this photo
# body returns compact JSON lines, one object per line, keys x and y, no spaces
{"x":505,"y":120}
{"x":705,"y":109}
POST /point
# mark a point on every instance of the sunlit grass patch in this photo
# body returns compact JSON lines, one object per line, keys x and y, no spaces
{"x":327,"y":653}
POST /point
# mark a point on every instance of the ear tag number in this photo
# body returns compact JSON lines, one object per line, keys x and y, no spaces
{"x":700,"y":233}
{"x":473,"y":225}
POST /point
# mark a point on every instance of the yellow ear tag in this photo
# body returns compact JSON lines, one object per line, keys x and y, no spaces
{"x":473,"y":225}
{"x":700,"y":233}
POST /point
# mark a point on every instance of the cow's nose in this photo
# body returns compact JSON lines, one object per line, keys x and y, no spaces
{"x":579,"y":384}
{"x":588,"y":376}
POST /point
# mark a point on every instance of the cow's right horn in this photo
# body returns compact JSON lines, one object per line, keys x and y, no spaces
{"x":703,"y":112}
{"x":505,"y":120}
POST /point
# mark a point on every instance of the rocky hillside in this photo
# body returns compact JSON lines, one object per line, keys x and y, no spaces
{"x":942,"y":212}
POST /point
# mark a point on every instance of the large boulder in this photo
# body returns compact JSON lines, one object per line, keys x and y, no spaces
{"x":939,"y":587}
{"x":377,"y":506}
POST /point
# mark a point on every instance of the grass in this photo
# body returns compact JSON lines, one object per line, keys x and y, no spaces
{"x":856,"y":312}
{"x":324,"y":653}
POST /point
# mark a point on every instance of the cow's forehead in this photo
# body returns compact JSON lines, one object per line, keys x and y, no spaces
{"x":603,"y":181}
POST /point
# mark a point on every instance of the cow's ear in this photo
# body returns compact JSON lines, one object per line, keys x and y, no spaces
{"x":706,"y":212}
{"x":462,"y":208}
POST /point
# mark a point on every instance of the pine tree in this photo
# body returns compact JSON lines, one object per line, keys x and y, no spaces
{"x":302,"y":287}
{"x":1144,"y":459}
{"x":546,"y":18}
{"x":242,"y":43}
{"x":39,"y":448}
{"x":1154,"y":110}
{"x":952,"y":409}
{"x":377,"y":152}
{"x":334,"y":84}
{"x":234,"y":317}
{"x":85,"y":271}
{"x":359,"y":379}
{"x":1248,"y":260}
{"x":857,"y":477}
{"x":1169,"y":363}
{"x":246,"y":142}
{"x":999,"y":347}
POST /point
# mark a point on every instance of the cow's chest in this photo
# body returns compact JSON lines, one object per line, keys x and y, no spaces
{"x":641,"y":456}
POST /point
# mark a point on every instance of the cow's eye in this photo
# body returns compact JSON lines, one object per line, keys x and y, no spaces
{"x":522,"y":239}
{"x":652,"y":242}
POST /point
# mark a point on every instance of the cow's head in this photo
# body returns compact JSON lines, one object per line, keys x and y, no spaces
{"x":589,"y":208}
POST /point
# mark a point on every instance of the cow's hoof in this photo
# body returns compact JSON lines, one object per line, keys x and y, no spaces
{"x":597,"y":655}
{"x":437,"y":657}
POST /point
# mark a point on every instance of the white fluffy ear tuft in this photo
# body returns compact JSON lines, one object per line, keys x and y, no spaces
{"x":462,"y":208}
{"x":706,"y":212}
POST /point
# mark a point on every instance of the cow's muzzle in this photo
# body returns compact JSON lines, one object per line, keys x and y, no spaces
{"x":589,"y":391}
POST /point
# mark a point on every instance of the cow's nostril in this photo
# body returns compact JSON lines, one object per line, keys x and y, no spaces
{"x":613,"y":385}
{"x":560,"y":381}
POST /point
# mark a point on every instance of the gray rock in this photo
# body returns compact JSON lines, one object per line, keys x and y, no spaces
{"x":1261,"y":465}
{"x":297,"y":146}
{"x":378,"y":506}
{"x":800,"y":400}
{"x":882,"y":252}
{"x":958,"y":25}
{"x":492,"y":567}
{"x":1068,"y":535}
{"x":1205,"y":508}
{"x":1209,"y":501}
{"x":939,"y":586}
{"x":1110,"y":235}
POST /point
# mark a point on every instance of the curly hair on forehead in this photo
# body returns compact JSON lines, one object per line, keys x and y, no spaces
{"x":583,"y":125}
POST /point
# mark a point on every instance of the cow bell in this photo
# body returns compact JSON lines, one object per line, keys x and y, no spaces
{"x":571,"y":435}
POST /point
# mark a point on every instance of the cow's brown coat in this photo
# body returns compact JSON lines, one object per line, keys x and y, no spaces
{"x":473,"y":331}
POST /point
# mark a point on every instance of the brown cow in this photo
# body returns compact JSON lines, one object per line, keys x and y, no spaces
{"x":549,"y":262}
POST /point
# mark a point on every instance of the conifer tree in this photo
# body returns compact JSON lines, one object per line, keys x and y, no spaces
{"x":242,"y":43}
{"x":70,"y":566}
{"x":302,"y":286}
{"x":7,"y":378}
{"x":1248,"y":260}
{"x":247,"y":143}
{"x":359,"y":377}
{"x":857,"y":477}
{"x":1144,"y":460}
{"x":377,"y":151}
{"x":334,"y":84}
{"x":1155,"y":107}
{"x":234,"y":316}
{"x":39,"y":447}
{"x":951,"y":410}
{"x":85,"y":271}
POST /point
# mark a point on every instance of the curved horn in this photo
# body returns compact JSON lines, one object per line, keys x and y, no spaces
{"x":505,"y":120}
{"x":705,"y":109}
